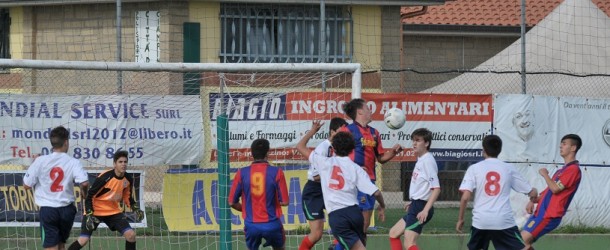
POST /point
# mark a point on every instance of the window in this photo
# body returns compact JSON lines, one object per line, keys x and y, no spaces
{"x":5,"y":24}
{"x":258,"y":33}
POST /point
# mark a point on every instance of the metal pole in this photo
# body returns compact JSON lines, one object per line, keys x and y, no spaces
{"x":323,"y":40}
{"x":523,"y":69}
{"x":222,"y":122}
{"x":119,"y":46}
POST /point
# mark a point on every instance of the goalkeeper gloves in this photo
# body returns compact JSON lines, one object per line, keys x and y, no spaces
{"x":91,"y":221}
{"x":139,"y":213}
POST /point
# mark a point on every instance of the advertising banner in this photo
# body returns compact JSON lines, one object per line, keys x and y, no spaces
{"x":458,"y":122}
{"x":18,"y":207}
{"x":155,"y":130}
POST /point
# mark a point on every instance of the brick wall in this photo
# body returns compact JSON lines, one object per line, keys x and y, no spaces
{"x":438,"y":53}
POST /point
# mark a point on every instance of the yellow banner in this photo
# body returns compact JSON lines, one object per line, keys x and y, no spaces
{"x":190,"y":200}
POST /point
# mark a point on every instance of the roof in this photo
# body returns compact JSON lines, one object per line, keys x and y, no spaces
{"x":489,"y":12}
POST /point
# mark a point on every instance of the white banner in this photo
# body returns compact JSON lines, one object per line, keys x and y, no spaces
{"x":155,"y":130}
{"x":531,"y":127}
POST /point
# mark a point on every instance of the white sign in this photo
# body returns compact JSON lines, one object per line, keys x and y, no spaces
{"x":148,"y":33}
{"x":154,"y":130}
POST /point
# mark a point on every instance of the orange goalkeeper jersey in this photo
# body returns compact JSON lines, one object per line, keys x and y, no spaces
{"x":106,"y":193}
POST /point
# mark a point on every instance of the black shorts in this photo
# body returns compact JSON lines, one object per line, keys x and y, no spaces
{"x":347,"y":225}
{"x":504,"y":239}
{"x":116,"y":222}
{"x":412,"y":223}
{"x":313,"y":201}
{"x":56,"y":224}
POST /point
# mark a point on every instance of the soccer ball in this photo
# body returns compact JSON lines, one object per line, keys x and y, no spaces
{"x":394,"y":118}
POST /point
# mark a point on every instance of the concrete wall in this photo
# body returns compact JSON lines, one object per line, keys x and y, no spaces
{"x":439,"y":53}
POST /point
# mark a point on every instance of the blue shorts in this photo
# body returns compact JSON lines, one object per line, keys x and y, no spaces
{"x":56,"y":224}
{"x":313,"y":201}
{"x":412,"y":223}
{"x":347,"y":226}
{"x":505,"y":239}
{"x":366,"y":202}
{"x":272,"y":232}
{"x":539,"y":226}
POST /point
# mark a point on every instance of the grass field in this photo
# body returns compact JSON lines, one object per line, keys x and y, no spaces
{"x":438,"y":234}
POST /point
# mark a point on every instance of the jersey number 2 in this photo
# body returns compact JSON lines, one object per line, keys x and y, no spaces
{"x":57,"y":175}
{"x":492,"y":184}
{"x":337,"y":176}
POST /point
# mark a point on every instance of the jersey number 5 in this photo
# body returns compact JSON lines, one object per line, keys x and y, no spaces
{"x":337,"y":176}
{"x":492,"y":184}
{"x":57,"y":175}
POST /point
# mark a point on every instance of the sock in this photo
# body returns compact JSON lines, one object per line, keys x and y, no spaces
{"x":75,"y":246}
{"x":413,"y":247}
{"x":130,"y":245}
{"x":395,"y":244}
{"x":306,"y":244}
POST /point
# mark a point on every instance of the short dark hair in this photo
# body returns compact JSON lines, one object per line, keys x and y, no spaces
{"x":59,"y":135}
{"x":119,"y":154}
{"x":351,"y":108}
{"x":336,"y":123}
{"x":259,"y":148}
{"x":492,"y":145}
{"x":343,"y":143}
{"x":575,"y":140}
{"x":425,"y":134}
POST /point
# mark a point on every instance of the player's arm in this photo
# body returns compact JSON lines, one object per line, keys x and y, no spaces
{"x":31,"y":176}
{"x":463,"y":203}
{"x":236,"y":191}
{"x":554,"y":187}
{"x":389,"y":154}
{"x":302,"y":145}
{"x":282,"y":188}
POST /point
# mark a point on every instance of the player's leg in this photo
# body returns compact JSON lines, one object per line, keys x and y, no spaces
{"x":507,"y":239}
{"x":395,"y":232}
{"x":85,"y":235}
{"x":119,"y":223}
{"x":413,"y":226}
{"x":367,"y":205}
{"x":347,"y":226}
{"x":537,"y":226}
{"x":67,"y":214}
{"x":270,"y":233}
{"x":313,"y":208}
{"x":253,"y":235}
{"x":479,"y":239}
{"x":50,"y":220}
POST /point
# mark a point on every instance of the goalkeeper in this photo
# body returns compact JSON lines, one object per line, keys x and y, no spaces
{"x":102,"y":204}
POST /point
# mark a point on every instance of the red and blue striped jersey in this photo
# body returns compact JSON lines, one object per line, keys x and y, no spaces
{"x":261,"y":188}
{"x":368,"y":146}
{"x":556,"y":205}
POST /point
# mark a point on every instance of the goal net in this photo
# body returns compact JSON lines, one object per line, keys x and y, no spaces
{"x":187,"y":129}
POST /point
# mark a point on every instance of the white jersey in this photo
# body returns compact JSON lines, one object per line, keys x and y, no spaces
{"x":52,"y":177}
{"x":341,"y":179}
{"x":425,"y":178}
{"x":491,"y":181}
{"x":325,"y":149}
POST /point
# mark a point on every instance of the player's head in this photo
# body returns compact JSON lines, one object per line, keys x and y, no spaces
{"x":522,"y":121}
{"x":422,"y":134}
{"x":343,"y":143}
{"x":120,"y":162}
{"x":335,"y":124}
{"x":492,"y":146}
{"x":59,"y":138}
{"x":570,"y":143}
{"x":357,"y":110}
{"x":260,"y":148}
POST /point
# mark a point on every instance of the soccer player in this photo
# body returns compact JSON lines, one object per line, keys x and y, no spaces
{"x":263,"y":191}
{"x":102,"y":204}
{"x":423,"y":192}
{"x":554,"y":200}
{"x":341,"y":179}
{"x":313,"y":202}
{"x":368,"y":150}
{"x":52,"y":177}
{"x":491,"y":180}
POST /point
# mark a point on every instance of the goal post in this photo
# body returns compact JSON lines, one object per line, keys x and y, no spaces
{"x":236,"y":103}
